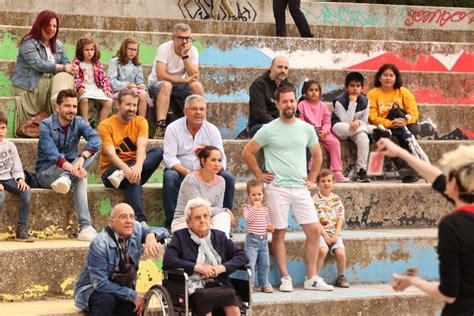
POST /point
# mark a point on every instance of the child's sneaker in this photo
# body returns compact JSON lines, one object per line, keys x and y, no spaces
{"x":362,"y":176}
{"x":61,"y":185}
{"x":116,"y":178}
{"x":88,"y":233}
{"x":286,"y":284}
{"x":342,"y":282}
{"x":23,"y":235}
{"x":317,"y":283}
{"x":267,"y":289}
{"x":339,"y":177}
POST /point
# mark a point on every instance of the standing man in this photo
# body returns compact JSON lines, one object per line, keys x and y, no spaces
{"x":59,"y":165}
{"x":107,"y":290}
{"x":124,"y":161}
{"x":262,"y":94}
{"x":175,"y":73}
{"x":279,"y":7}
{"x":182,"y":139}
{"x":284,"y":142}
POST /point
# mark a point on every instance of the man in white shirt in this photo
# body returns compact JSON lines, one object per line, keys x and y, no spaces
{"x":182,"y":138}
{"x":175,"y":73}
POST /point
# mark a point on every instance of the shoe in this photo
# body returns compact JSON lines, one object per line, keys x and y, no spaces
{"x":160,"y":129}
{"x":342,"y":282}
{"x":144,"y":224}
{"x":286,"y":285}
{"x":381,"y":131}
{"x":88,"y":233}
{"x":317,"y":283}
{"x":61,"y":185}
{"x":409,"y":179}
{"x":267,"y":289}
{"x":362,"y":176}
{"x":23,"y":235}
{"x":339,"y":177}
{"x":116,"y":178}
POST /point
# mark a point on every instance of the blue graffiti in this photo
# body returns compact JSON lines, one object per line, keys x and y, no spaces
{"x":238,"y":56}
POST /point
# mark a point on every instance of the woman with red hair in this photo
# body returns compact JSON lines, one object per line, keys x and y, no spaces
{"x":42,"y":68}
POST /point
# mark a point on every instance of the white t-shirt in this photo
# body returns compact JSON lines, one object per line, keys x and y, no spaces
{"x":50,"y":55}
{"x":174,"y":63}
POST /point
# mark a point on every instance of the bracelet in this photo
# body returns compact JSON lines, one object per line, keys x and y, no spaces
{"x":64,"y":67}
{"x":185,"y":57}
{"x":83,"y":156}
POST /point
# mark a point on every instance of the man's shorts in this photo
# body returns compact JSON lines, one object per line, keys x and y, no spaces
{"x":280,"y":200}
{"x":180,"y":91}
{"x":331,"y":248}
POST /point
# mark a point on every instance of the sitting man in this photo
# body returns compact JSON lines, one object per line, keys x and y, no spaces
{"x":262,"y":94}
{"x":183,"y":138}
{"x":107,"y":282}
{"x":175,"y":73}
{"x":124,"y":161}
{"x":209,"y":257}
{"x":59,"y":164}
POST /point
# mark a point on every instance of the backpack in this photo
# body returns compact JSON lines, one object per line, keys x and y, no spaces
{"x":30,"y":128}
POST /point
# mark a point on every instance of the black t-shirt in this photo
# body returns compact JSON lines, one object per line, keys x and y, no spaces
{"x":456,"y":258}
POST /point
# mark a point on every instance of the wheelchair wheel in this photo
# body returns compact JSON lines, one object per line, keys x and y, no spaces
{"x":158,"y":302}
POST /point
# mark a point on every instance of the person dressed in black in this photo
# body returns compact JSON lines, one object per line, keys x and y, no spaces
{"x":456,"y":240}
{"x":279,"y":7}
{"x":209,"y":257}
{"x":262,"y":94}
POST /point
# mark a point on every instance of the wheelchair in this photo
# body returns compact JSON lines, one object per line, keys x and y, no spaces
{"x":172,"y":298}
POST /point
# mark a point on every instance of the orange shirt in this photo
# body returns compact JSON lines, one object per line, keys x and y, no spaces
{"x":122,"y":136}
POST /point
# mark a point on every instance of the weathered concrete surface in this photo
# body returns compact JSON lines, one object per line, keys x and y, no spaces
{"x":319,"y":13}
{"x":378,"y":204}
{"x":27,"y":149}
{"x":227,"y":50}
{"x":232,"y":83}
{"x":373,"y":300}
{"x":238,"y":28}
{"x":52,"y":267}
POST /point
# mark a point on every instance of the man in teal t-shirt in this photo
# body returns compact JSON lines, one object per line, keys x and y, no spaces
{"x":284,"y":142}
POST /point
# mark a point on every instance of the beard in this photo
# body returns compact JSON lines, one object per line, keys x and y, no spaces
{"x":281,"y":77}
{"x":288,"y":114}
{"x":128,"y":116}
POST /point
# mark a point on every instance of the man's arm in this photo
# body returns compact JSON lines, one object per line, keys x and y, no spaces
{"x":249,"y":156}
{"x":257,"y":103}
{"x":170,"y":149}
{"x":317,"y":161}
{"x":163,"y":75}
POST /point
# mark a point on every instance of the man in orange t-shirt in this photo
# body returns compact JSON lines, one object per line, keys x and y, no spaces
{"x":124,"y":161}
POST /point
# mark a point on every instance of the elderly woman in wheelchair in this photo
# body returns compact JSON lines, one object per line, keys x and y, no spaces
{"x":209,"y":257}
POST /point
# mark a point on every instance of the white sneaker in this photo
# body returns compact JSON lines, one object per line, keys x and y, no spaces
{"x":317,"y":283}
{"x":88,"y":233}
{"x":116,"y":178}
{"x":61,"y":185}
{"x":286,"y":285}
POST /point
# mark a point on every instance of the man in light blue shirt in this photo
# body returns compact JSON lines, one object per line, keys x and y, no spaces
{"x":182,"y":138}
{"x":284,"y":142}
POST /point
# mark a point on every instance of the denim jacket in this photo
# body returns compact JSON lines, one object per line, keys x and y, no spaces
{"x":102,"y":259}
{"x":32,"y":62}
{"x":54,"y":144}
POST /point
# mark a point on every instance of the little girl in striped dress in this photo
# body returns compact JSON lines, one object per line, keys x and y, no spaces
{"x":256,"y":241}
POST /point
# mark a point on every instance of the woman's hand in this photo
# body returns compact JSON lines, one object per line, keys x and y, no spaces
{"x":206,"y":271}
{"x":233,"y":220}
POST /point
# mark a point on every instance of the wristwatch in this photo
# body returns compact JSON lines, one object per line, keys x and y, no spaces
{"x":83,"y":156}
{"x":185,"y":57}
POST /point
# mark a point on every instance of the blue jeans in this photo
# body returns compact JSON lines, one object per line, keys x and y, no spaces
{"x":133,"y":192}
{"x":10,"y":185}
{"x":178,"y":91}
{"x":256,"y":248}
{"x":79,"y":188}
{"x":254,"y":129}
{"x":172,"y":182}
{"x":107,"y":304}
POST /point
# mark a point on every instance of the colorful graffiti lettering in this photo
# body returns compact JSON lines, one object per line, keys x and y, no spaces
{"x":439,"y":16}
{"x":197,"y":9}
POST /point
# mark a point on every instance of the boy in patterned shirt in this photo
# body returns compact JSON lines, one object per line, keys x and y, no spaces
{"x":331,"y":216}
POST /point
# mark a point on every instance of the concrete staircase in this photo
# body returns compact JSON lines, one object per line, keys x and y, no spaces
{"x":389,"y":226}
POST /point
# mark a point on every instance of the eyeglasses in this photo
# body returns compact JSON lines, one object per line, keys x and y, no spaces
{"x":183,"y":38}
{"x":124,"y":217}
{"x":132,"y":49}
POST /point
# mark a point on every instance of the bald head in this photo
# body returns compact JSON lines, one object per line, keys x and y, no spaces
{"x":122,"y":219}
{"x":117,"y":209}
{"x":279,"y":69}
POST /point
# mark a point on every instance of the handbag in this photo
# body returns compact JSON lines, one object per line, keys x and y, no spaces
{"x":30,"y":128}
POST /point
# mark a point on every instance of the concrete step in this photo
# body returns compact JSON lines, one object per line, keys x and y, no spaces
{"x":232,"y":83}
{"x":450,"y":121}
{"x":369,"y":300}
{"x":379,"y":204}
{"x":27,"y":149}
{"x":51,"y":267}
{"x":227,"y":50}
{"x":317,"y":13}
{"x":330,"y":29}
